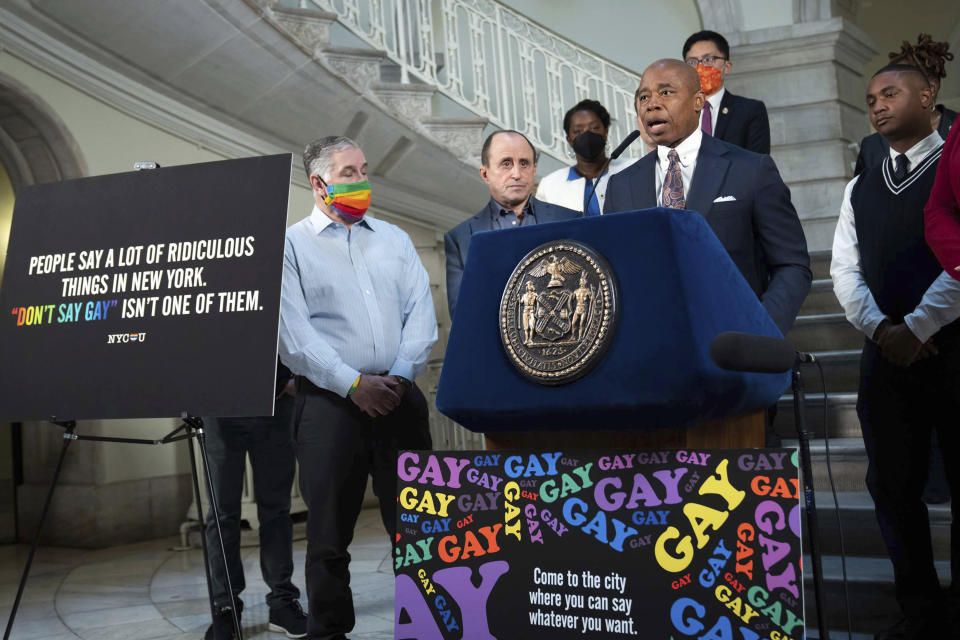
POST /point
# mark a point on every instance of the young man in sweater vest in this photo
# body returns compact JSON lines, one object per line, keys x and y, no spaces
{"x":894,"y":290}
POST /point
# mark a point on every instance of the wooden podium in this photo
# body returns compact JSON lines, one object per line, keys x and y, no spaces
{"x":736,"y":432}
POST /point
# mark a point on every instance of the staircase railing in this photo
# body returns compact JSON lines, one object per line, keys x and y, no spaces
{"x":495,"y":62}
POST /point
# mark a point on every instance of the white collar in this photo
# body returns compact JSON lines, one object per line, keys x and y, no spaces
{"x":715,"y":101}
{"x":919,"y":151}
{"x":319,"y":221}
{"x":687,"y":150}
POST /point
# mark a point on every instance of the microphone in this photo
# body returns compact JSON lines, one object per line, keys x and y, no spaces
{"x":735,"y":351}
{"x":623,"y":145}
{"x":613,"y":156}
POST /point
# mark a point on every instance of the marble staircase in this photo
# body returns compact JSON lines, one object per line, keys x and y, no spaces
{"x":370,"y":71}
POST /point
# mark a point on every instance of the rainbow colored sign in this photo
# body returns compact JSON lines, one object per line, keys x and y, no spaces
{"x":602,"y":545}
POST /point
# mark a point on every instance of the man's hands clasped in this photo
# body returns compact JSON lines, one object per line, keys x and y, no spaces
{"x":898,"y":344}
{"x":378,"y":395}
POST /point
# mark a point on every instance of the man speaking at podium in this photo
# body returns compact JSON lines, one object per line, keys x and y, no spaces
{"x":739,"y":192}
{"x":356,"y":326}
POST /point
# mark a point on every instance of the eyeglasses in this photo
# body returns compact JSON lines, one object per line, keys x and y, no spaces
{"x":709,"y":60}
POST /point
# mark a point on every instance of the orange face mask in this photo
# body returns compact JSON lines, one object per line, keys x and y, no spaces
{"x":710,"y":79}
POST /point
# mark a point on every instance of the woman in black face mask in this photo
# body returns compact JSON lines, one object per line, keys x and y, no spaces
{"x":586,"y":126}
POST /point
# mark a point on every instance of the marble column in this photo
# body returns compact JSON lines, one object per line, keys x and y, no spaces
{"x":811,"y":77}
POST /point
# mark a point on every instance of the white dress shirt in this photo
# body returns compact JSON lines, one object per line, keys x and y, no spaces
{"x":940,"y":304}
{"x":566,"y":188}
{"x":688,"y":150}
{"x":714,"y":101}
{"x":353,"y":301}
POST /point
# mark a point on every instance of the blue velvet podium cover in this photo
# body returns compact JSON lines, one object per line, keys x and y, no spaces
{"x":678,"y":290}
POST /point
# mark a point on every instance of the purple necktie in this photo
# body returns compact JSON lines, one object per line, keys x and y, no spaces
{"x":707,"y":125}
{"x":673,"y":183}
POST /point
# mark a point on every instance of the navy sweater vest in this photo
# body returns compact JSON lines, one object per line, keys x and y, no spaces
{"x":896,"y":261}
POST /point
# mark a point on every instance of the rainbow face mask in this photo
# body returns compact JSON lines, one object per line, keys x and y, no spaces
{"x":350,"y":199}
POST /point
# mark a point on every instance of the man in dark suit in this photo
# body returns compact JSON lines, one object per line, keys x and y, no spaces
{"x":725,"y":116}
{"x":508,"y":164}
{"x":740,"y":193}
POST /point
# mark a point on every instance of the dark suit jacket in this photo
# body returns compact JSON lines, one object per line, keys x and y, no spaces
{"x":744,"y":123}
{"x":874,"y":148}
{"x":759,"y":229}
{"x":457,"y":240}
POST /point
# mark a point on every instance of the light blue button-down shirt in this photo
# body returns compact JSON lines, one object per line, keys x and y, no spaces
{"x":354,"y":301}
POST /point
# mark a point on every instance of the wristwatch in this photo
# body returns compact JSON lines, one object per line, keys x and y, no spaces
{"x":404,"y":381}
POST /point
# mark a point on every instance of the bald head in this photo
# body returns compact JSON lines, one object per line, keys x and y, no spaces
{"x":687,"y":74}
{"x":669,"y":101}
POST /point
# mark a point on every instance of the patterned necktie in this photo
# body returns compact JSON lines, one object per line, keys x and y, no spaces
{"x":673,"y":183}
{"x":706,"y":125}
{"x":900,"y":170}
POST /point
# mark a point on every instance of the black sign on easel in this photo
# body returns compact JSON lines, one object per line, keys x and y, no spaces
{"x":145,"y":294}
{"x":140,"y":295}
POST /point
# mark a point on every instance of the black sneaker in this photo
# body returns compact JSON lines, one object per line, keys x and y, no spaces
{"x":289,"y":619}
{"x":222,"y":627}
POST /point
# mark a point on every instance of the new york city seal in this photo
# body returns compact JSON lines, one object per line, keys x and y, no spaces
{"x":558,"y":312}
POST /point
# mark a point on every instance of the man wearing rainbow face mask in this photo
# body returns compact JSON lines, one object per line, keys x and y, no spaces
{"x":356,"y":326}
{"x":725,"y":116}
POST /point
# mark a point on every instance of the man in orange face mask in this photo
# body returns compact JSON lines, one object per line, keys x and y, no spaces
{"x":725,"y":116}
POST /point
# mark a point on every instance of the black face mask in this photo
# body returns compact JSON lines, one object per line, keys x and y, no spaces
{"x":589,"y":145}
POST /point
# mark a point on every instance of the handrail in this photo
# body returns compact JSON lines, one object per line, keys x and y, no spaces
{"x":495,"y":62}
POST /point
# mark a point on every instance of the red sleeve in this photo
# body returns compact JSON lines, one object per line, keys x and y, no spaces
{"x":942,"y":213}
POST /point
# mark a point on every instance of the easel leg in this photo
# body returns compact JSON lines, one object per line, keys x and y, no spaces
{"x":203,"y":525}
{"x":201,"y":442}
{"x":68,"y":437}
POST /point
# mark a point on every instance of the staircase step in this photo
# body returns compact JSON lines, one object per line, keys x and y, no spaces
{"x":870,"y":584}
{"x":359,"y":67}
{"x":820,"y":264}
{"x":838,"y":634}
{"x":309,"y":27}
{"x":411,"y":101}
{"x":848,"y":460}
{"x":824,"y":332}
{"x":841,"y":372}
{"x":861,"y":533}
{"x":463,"y":136}
{"x":390,"y":72}
{"x":841,"y":415}
{"x":821,"y":299}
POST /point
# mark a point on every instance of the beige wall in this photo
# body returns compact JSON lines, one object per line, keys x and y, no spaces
{"x":630,"y":33}
{"x":762,"y":14}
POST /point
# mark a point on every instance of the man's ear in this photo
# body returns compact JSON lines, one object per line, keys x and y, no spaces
{"x":727,"y":66}
{"x":317,"y":183}
{"x":698,"y":101}
{"x":926,"y":97}
{"x":483,"y":172}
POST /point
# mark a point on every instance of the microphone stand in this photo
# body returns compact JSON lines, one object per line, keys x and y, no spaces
{"x":806,"y":471}
{"x":596,"y":183}
{"x":613,"y":156}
